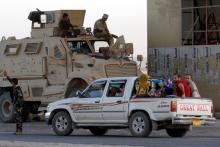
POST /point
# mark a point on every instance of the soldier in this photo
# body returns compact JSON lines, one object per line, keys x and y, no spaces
{"x":17,"y":102}
{"x":65,"y":26}
{"x":101,"y":30}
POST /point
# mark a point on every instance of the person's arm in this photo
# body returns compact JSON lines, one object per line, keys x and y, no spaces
{"x":8,"y":78}
{"x":106,"y":28}
{"x":182,"y":90}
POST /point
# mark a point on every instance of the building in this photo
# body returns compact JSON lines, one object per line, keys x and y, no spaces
{"x":190,"y":34}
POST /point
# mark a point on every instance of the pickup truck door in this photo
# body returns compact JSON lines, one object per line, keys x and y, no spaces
{"x":114,"y":103}
{"x":88,"y":108}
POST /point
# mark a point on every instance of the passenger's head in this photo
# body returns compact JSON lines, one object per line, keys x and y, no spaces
{"x":105,"y":17}
{"x":176,"y":77}
{"x":157,"y":86}
{"x":188,"y":77}
{"x":122,"y":87}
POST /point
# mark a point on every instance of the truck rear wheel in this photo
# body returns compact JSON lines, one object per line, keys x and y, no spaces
{"x":98,"y":131}
{"x":62,"y":124}
{"x":140,"y":124}
{"x":7,"y":111}
{"x":179,"y":132}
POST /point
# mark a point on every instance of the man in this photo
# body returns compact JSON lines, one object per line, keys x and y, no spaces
{"x":101,"y":30}
{"x":193,"y":88}
{"x":181,"y":87}
{"x":65,"y":26}
{"x":17,"y":102}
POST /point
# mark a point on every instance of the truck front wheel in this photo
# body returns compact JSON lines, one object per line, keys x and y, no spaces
{"x":180,"y":132}
{"x":62,"y":124}
{"x":140,"y":124}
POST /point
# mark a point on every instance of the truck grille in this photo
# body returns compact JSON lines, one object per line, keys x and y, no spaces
{"x":125,"y":70}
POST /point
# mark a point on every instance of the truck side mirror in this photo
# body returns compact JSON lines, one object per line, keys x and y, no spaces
{"x":140,"y":58}
{"x":78,"y":93}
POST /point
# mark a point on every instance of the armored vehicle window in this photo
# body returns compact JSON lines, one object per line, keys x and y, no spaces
{"x":57,"y":53}
{"x":12,"y":49}
{"x":32,"y":48}
{"x":100,"y":44}
{"x":79,"y":47}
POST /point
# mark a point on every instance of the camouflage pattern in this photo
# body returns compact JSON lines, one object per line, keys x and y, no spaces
{"x":18,"y":118}
{"x":101,"y":30}
{"x":18,"y":104}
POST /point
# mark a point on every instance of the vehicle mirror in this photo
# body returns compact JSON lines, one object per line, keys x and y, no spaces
{"x":139,"y":57}
{"x":78,"y":93}
{"x":43,"y":18}
{"x":129,"y":48}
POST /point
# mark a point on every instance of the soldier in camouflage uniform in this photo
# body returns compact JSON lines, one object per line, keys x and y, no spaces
{"x":101,"y":30}
{"x":17,"y":102}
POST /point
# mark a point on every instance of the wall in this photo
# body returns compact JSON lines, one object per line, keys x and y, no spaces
{"x":203,"y":62}
{"x":164,"y":23}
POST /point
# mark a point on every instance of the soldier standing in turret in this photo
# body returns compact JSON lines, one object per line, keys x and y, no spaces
{"x":17,"y":101}
{"x":101,"y":30}
{"x":65,"y":25}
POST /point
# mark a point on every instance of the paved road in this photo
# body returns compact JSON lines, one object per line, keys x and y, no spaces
{"x":36,"y":132}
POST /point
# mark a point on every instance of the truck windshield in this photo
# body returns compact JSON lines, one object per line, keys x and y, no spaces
{"x":95,"y":90}
{"x":98,"y":45}
{"x":79,"y":47}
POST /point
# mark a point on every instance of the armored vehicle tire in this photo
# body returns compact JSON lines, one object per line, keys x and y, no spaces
{"x":140,"y":124}
{"x":179,"y":132}
{"x":62,"y":124}
{"x":98,"y":131}
{"x":7,"y":111}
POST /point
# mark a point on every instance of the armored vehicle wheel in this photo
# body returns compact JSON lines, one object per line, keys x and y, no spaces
{"x":62,"y":124}
{"x":7,"y":111}
{"x":177,"y":132}
{"x":97,"y":131}
{"x":140,"y":124}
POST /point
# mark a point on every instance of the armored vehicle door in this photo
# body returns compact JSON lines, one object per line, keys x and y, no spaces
{"x":56,"y":63}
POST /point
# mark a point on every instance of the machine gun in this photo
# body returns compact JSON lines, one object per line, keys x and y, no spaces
{"x":34,"y":16}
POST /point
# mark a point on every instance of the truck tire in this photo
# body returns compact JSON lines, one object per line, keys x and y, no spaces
{"x":98,"y":131}
{"x":62,"y":124}
{"x":7,"y":110}
{"x":179,"y":132}
{"x":140,"y":124}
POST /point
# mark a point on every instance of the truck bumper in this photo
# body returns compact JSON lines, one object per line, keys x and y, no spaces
{"x":47,"y":116}
{"x":193,"y":121}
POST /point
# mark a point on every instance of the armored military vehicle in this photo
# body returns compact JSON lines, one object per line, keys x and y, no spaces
{"x":50,"y":67}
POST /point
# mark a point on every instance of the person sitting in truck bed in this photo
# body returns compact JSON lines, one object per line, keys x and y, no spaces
{"x":157,"y":91}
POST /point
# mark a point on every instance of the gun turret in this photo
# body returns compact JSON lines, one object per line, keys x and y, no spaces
{"x":45,"y":23}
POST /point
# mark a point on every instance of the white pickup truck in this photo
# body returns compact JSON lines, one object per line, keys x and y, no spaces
{"x":105,"y":105}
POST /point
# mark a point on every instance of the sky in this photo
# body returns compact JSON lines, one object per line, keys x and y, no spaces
{"x":126,"y":17}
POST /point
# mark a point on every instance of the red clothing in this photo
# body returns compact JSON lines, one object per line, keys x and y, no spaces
{"x":186,"y":89}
